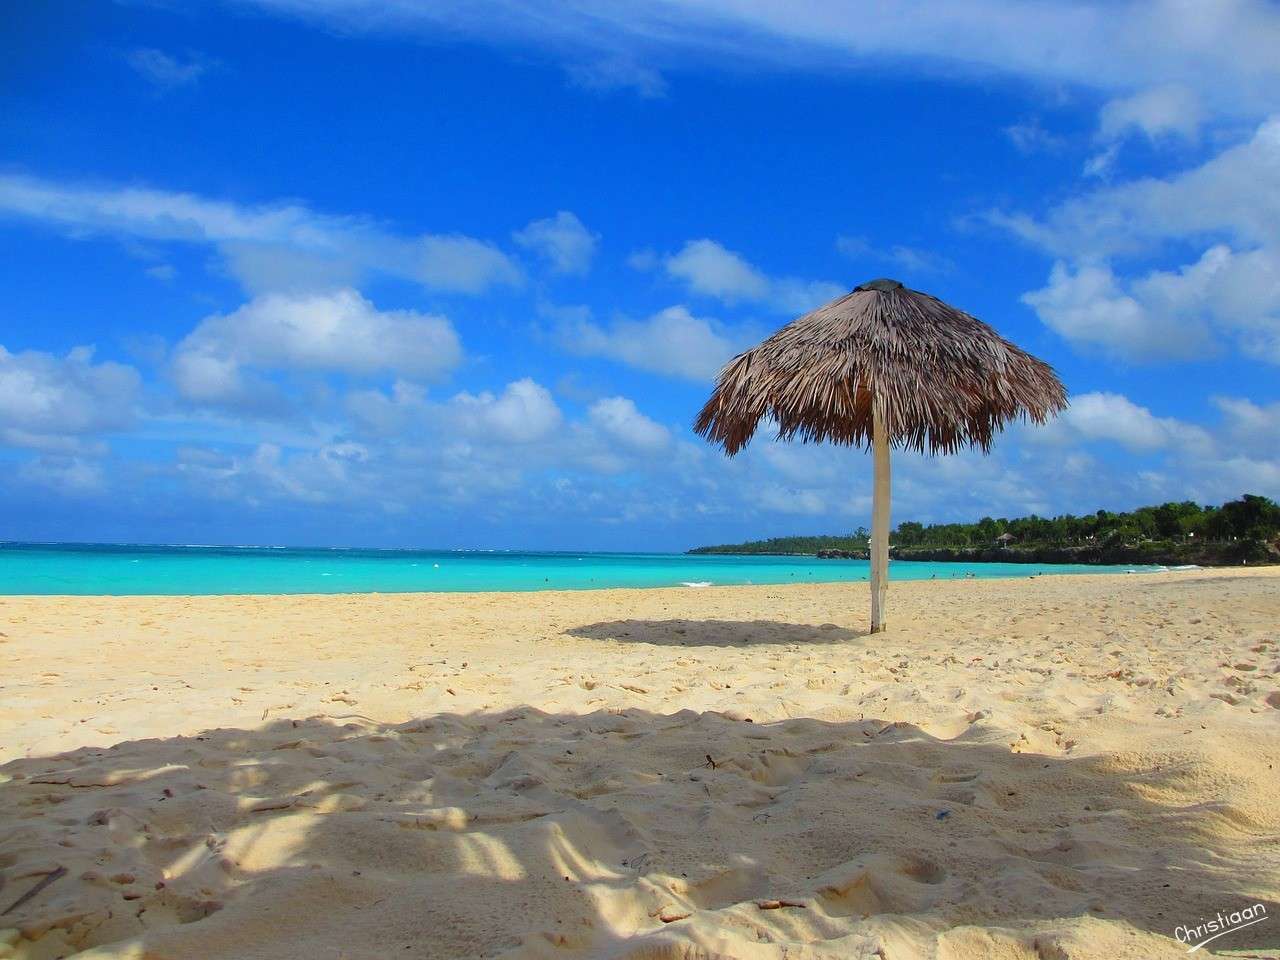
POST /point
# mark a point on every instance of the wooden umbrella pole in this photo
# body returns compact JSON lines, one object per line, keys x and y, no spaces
{"x":879,"y":518}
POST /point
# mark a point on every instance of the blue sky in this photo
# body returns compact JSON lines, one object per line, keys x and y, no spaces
{"x":461,"y":274}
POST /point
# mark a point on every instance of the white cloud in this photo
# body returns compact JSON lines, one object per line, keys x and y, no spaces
{"x":1159,"y":113}
{"x":327,"y":474}
{"x":1248,"y":425}
{"x":777,"y":498}
{"x":165,"y":70}
{"x":1114,"y":417}
{"x":463,"y":265}
{"x":524,"y":412}
{"x":53,"y":403}
{"x":512,"y":452}
{"x":336,"y":332}
{"x":618,"y":418}
{"x":1228,"y":478}
{"x":672,"y":341}
{"x":1179,"y":314}
{"x":797,"y":463}
{"x":503,"y":445}
{"x":1089,"y":308}
{"x":473,"y":443}
{"x":707,"y":268}
{"x":710,"y":269}
{"x":1235,"y":194}
{"x":386,"y":414}
{"x":563,"y":241}
{"x":280,"y":247}
{"x":1230,"y":294}
{"x":1225,"y":51}
{"x":1156,"y":112}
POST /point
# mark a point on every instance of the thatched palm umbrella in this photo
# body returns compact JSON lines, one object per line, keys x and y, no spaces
{"x":881,"y":366}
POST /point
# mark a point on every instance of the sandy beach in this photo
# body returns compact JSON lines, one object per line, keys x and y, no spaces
{"x":1059,"y":767}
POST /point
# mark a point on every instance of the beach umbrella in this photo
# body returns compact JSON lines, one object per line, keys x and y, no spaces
{"x":883,"y":366}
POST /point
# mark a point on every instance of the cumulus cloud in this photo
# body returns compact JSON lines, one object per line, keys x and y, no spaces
{"x":1248,"y":425}
{"x":326,"y":474}
{"x":1229,"y":295}
{"x":58,"y":403}
{"x":1088,"y":307}
{"x":1169,"y":314}
{"x":672,"y":341}
{"x":589,"y":464}
{"x":386,"y":413}
{"x":707,"y":268}
{"x":619,"y":419}
{"x":462,"y":264}
{"x":524,"y":412}
{"x":504,"y":448}
{"x":511,"y":451}
{"x":273,"y":247}
{"x":563,"y":241}
{"x":319,"y":333}
{"x":1114,"y":417}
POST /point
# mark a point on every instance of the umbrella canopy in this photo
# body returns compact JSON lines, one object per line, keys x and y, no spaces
{"x":944,"y":379}
{"x":881,"y":366}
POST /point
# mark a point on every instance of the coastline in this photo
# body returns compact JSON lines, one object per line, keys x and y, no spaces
{"x":66,"y":570}
{"x":1215,"y":556}
{"x":1016,"y":761}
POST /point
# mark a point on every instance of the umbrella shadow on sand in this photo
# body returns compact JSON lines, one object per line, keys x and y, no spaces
{"x":714,"y":633}
{"x":614,"y":834}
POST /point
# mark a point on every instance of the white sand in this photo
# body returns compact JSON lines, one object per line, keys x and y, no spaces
{"x":1054,"y":768}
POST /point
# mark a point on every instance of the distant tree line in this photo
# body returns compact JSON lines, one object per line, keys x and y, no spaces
{"x":1249,"y":518}
{"x":1252,"y":518}
{"x":783,"y":546}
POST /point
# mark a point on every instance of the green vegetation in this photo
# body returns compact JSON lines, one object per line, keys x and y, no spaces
{"x":792,"y":546}
{"x":1244,"y":529}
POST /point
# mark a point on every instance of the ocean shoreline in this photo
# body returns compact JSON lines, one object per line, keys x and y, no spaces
{"x":176,"y":571}
{"x":1084,"y":556}
{"x":676,"y":589}
{"x":541,"y":591}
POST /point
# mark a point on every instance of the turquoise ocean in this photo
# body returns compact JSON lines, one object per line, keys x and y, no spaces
{"x":124,"y":570}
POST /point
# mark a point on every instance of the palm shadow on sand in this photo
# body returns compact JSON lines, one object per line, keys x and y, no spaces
{"x":613,"y":834}
{"x":714,"y":633}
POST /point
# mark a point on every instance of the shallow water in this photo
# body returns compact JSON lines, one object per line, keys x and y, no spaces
{"x":88,"y":569}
